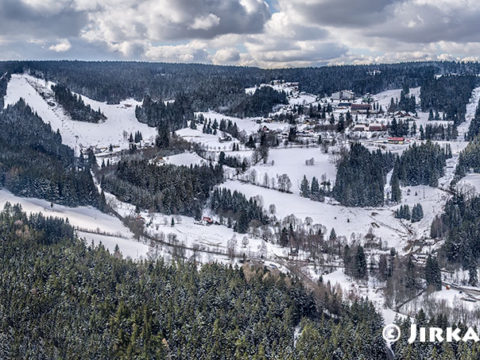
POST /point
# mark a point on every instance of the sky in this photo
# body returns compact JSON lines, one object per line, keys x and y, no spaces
{"x":268,"y":34}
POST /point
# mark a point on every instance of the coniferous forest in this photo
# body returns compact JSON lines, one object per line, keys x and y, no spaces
{"x":167,"y":188}
{"x":34,"y":163}
{"x":64,"y":299}
{"x":422,"y":165}
{"x":361,"y":177}
{"x":74,"y":105}
{"x":449,"y":94}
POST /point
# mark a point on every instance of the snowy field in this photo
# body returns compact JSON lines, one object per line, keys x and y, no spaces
{"x":288,"y":88}
{"x":384,"y":98}
{"x":352,"y":288}
{"x":291,"y":161}
{"x":185,"y":159}
{"x":470,"y":184}
{"x":207,"y":141}
{"x":345,"y":220}
{"x":213,"y":240}
{"x":120,"y":120}
{"x":301,"y":99}
{"x":92,"y":224}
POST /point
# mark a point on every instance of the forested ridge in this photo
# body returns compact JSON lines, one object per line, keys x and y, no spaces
{"x":223,"y":87}
{"x":62,"y":299}
{"x":4,"y":78}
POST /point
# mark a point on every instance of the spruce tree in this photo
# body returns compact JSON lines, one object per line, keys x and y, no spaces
{"x":433,"y":275}
{"x":360,"y":264}
{"x":305,"y":188}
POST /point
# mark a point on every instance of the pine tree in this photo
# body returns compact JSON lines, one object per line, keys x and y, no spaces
{"x":315,"y":187}
{"x":333,"y":235}
{"x":417,"y":213}
{"x":472,"y":275}
{"x":396,"y":194}
{"x":305,"y":188}
{"x":433,"y":275}
{"x":360,"y":264}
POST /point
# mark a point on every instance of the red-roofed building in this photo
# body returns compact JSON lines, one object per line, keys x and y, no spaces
{"x":396,"y":140}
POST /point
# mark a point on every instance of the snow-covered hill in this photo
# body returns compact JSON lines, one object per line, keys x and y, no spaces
{"x":120,"y":122}
{"x":91,"y":224}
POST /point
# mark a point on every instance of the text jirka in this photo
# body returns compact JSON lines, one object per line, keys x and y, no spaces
{"x":433,"y":334}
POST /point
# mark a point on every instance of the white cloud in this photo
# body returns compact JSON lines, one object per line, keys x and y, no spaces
{"x":205,"y":22}
{"x":62,"y":46}
{"x":226,"y":56}
{"x":191,"y":52}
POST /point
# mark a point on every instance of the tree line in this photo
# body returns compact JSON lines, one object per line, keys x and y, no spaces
{"x":35,"y":163}
{"x":74,"y":105}
{"x":167,"y":188}
{"x":361,"y":177}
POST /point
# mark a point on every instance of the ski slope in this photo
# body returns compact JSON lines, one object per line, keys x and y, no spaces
{"x":120,"y":120}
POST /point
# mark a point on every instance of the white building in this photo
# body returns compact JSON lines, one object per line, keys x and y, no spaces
{"x":343,"y":95}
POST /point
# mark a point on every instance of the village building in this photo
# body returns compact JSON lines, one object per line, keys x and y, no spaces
{"x":396,"y":140}
{"x":343,"y":95}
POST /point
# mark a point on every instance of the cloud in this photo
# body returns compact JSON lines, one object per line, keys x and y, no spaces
{"x":33,"y":19}
{"x":178,"y":53}
{"x":244,"y":32}
{"x":226,"y":56}
{"x":288,"y":40}
{"x":205,"y":22}
{"x":426,"y":21}
{"x":62,"y":46}
{"x":338,"y":13}
{"x":166,"y":20}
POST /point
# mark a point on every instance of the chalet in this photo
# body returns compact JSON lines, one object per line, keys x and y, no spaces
{"x":377,"y":127}
{"x":158,"y":160}
{"x":140,"y":218}
{"x":207,"y":220}
{"x":360,"y":127}
{"x":402,"y":114}
{"x":343,"y":95}
{"x":361,"y":107}
{"x":396,"y":140}
{"x":225,"y":138}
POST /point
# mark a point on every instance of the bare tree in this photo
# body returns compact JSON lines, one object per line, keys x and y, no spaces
{"x":284,"y":183}
{"x":272,"y":209}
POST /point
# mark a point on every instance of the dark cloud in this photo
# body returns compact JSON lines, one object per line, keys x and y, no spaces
{"x":342,"y":13}
{"x":20,"y":21}
{"x":163,"y":20}
{"x":427,"y":23}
